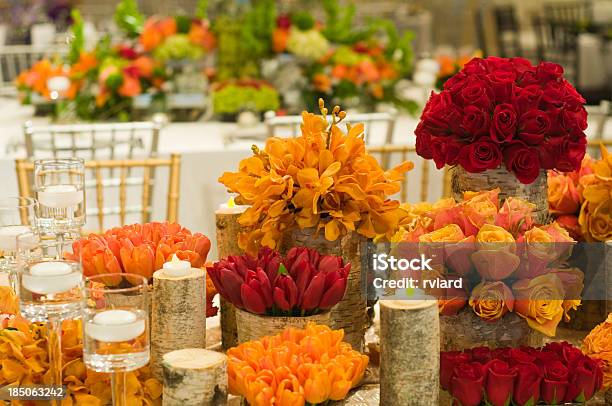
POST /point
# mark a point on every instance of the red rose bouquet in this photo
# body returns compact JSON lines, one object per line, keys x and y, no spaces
{"x":302,"y":283}
{"x":554,"y":374}
{"x":499,"y":111}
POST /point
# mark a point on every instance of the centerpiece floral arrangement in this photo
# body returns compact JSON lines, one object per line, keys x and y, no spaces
{"x":298,"y":367}
{"x":143,"y":249}
{"x":300,"y":284}
{"x":233,"y":96}
{"x":581,"y":200}
{"x":505,"y":112}
{"x":554,"y":374}
{"x":506,"y":262}
{"x":323,"y":179}
{"x":23,"y":356}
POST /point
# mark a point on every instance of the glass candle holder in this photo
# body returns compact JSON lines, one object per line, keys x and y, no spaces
{"x":50,"y":290}
{"x":115,"y":325}
{"x":60,"y":191}
{"x":17,"y":216}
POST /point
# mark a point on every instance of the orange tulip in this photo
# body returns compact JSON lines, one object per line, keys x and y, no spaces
{"x":137,"y":259}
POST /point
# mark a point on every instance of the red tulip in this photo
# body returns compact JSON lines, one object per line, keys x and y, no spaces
{"x":333,"y":294}
{"x":251,"y":299}
{"x":231,"y":284}
{"x":285,"y":293}
{"x":499,"y":382}
{"x":314,"y":292}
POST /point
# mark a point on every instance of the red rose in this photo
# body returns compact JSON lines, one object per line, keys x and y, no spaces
{"x":527,"y":98}
{"x":475,"y":122}
{"x":440,"y":115}
{"x":499,"y":382}
{"x":480,"y":156}
{"x":494,"y":63}
{"x":585,"y":379}
{"x":467,"y":384}
{"x":502,"y":82}
{"x":476,"y":92}
{"x":448,"y":361}
{"x":521,"y":65}
{"x":565,"y":351}
{"x":533,"y":126}
{"x":527,"y":385}
{"x":477,"y":66}
{"x":423,"y":141}
{"x":550,"y":151}
{"x":571,"y":155}
{"x":456,"y":83}
{"x":547,"y":71}
{"x":518,"y":356}
{"x":481,"y":354}
{"x":501,"y":353}
{"x":444,"y":151}
{"x":554,"y":383}
{"x":503,"y":125}
{"x":523,"y":161}
{"x":574,"y":121}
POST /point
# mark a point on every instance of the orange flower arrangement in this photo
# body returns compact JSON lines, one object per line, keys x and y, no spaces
{"x":323,"y":179}
{"x":296,"y":367}
{"x":23,"y":361}
{"x":598,"y":344}
{"x":35,"y":79}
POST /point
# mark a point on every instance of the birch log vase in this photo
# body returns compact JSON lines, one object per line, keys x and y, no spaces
{"x":254,"y":326}
{"x":350,"y":313}
{"x":509,"y":185}
{"x":194,"y":377}
{"x":179,"y":314}
{"x":228,"y":228}
{"x":409,"y":352}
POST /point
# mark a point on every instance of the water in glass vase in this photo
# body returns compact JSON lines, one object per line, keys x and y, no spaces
{"x":51,"y":290}
{"x":61,"y":207}
{"x":115,"y":340}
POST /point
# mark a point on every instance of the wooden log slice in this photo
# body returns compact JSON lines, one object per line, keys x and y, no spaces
{"x":409,"y":352}
{"x":194,"y":376}
{"x":254,"y":326}
{"x":178,"y":314}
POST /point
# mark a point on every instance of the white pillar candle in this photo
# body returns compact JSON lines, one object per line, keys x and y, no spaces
{"x":60,"y":196}
{"x":50,"y":277}
{"x":115,"y":325}
{"x":177,"y":268}
{"x":8,"y":236}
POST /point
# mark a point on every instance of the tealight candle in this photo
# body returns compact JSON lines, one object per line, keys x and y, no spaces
{"x":177,"y":268}
{"x":51,"y":277}
{"x":115,"y":325}
{"x":231,"y":207}
{"x":60,"y":196}
{"x":8,"y":236}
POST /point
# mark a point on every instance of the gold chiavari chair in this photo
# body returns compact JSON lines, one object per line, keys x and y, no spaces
{"x":25,"y":169}
{"x":390,"y":155}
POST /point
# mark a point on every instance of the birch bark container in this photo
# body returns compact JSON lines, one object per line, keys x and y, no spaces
{"x":350,"y":313}
{"x":254,"y":326}
{"x":228,"y":228}
{"x":194,"y":377}
{"x":409,"y":352}
{"x":178,"y":314}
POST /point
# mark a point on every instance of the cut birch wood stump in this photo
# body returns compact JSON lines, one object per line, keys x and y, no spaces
{"x":409,"y":352}
{"x":509,"y":185}
{"x":178,"y":314}
{"x":254,"y":326}
{"x":350,"y":313}
{"x":228,"y":229}
{"x":194,"y":377}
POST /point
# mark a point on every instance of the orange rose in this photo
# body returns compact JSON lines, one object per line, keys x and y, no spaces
{"x":563,"y":197}
{"x":598,"y":344}
{"x":481,"y":208}
{"x":449,"y":233}
{"x":540,"y":302}
{"x":596,"y":222}
{"x":570,"y":223}
{"x":515,"y":215}
{"x":491,"y":300}
{"x":494,"y":238}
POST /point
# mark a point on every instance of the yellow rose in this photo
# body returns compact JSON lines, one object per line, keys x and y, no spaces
{"x":491,"y":237}
{"x":491,"y":300}
{"x":539,"y":243}
{"x":596,"y":221}
{"x":598,"y":344}
{"x":540,"y":302}
{"x":449,"y":233}
{"x":481,"y":208}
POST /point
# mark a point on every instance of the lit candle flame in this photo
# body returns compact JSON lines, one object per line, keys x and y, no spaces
{"x":231,"y":203}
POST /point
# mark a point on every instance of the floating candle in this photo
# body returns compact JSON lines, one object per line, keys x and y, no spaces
{"x":177,"y":268}
{"x":51,"y":277}
{"x":8,"y":236}
{"x":60,"y":196}
{"x":115,"y":325}
{"x":231,"y":207}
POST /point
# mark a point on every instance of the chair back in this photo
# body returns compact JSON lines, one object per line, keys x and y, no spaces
{"x":93,"y":141}
{"x":507,"y":26}
{"x":391,"y":155}
{"x":122,"y":205}
{"x":379,"y":127}
{"x":15,"y":59}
